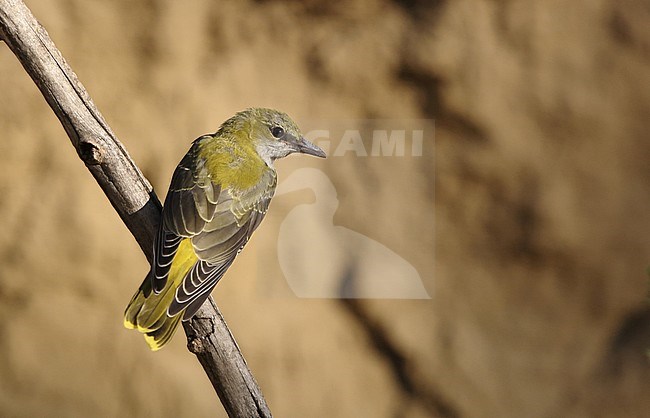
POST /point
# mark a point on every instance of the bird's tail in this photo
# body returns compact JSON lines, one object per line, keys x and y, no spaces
{"x":147,"y":311}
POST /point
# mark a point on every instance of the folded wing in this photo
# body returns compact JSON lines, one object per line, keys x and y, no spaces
{"x":189,"y":205}
{"x":219,"y":223}
{"x":235,"y":218}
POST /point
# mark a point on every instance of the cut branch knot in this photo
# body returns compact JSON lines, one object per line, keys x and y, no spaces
{"x":196,"y":345}
{"x":90,"y":153}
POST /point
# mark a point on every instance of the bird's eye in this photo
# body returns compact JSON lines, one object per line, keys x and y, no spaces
{"x":277,"y":132}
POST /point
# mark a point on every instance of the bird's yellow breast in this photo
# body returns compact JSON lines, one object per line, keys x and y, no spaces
{"x":231,"y":163}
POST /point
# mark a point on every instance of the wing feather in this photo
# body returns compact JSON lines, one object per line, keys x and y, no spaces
{"x":165,"y":247}
{"x":204,"y":200}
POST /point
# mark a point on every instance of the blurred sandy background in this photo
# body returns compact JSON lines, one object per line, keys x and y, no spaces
{"x":535,"y":262}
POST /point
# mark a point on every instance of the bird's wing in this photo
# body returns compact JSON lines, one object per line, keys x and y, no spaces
{"x":236,"y":216}
{"x":190,"y":204}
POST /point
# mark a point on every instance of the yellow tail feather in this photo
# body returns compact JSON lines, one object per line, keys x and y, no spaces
{"x":148,"y":314}
{"x":158,"y":338}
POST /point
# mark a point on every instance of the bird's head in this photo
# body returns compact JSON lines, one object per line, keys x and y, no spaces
{"x":275,"y":135}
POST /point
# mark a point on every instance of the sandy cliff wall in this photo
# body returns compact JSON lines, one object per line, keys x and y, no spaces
{"x":537,"y":182}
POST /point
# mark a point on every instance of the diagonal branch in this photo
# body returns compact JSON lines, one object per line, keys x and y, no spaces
{"x":130,"y":194}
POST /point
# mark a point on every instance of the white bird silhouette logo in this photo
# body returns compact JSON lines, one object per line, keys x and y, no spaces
{"x":339,"y":263}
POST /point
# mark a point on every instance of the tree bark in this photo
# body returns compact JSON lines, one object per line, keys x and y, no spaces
{"x":130,"y":194}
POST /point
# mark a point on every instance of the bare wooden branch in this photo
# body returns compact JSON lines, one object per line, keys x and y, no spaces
{"x":130,"y":194}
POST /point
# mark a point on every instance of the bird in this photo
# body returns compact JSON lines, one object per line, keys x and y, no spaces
{"x":218,"y":195}
{"x":342,"y":263}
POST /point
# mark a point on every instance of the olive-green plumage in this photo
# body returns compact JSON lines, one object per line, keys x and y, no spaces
{"x":218,"y":195}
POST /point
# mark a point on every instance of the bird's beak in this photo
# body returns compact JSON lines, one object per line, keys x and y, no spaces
{"x":306,"y":147}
